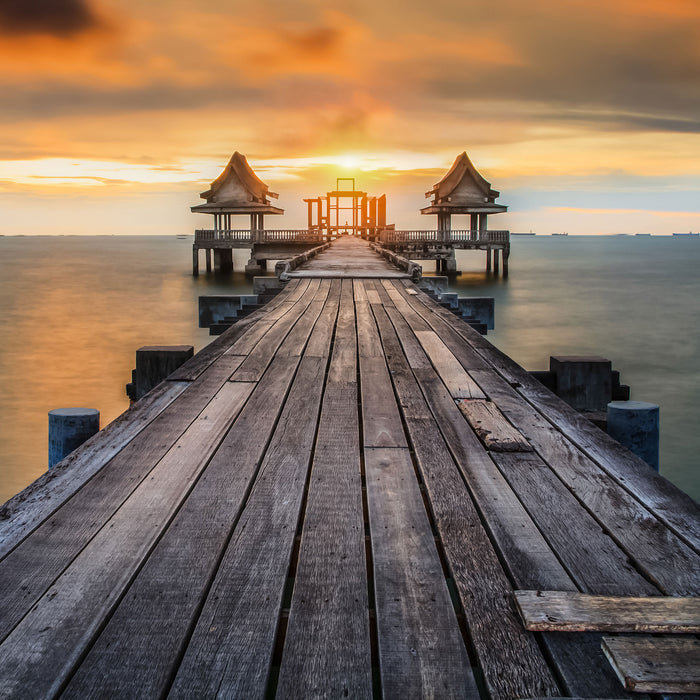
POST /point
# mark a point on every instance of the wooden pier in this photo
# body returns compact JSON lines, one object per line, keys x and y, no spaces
{"x":338,"y":497}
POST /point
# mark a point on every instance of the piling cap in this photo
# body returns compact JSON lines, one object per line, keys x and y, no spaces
{"x":74,"y":412}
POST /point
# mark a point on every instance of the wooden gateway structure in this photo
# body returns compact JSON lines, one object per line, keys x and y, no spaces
{"x":462,"y":191}
{"x":350,"y":493}
{"x":329,"y":215}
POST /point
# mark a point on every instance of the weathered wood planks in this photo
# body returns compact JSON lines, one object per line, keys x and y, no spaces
{"x":655,"y":664}
{"x":497,"y":434}
{"x":564,"y":611}
{"x":221,"y":540}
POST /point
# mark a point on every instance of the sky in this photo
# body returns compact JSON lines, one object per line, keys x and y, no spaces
{"x":584,"y":114}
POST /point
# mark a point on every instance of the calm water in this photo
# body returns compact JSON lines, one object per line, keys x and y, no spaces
{"x":73,"y":311}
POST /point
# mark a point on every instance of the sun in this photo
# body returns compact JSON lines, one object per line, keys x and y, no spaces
{"x":349,"y":161}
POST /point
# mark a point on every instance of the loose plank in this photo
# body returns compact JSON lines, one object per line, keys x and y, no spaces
{"x":41,"y":651}
{"x":327,"y":645}
{"x":564,"y":611}
{"x":497,"y":434}
{"x":655,"y":664}
{"x":458,"y":382}
{"x":28,"y":509}
{"x":27,"y":571}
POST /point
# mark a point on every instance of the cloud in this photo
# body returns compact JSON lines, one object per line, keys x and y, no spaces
{"x":61,"y":18}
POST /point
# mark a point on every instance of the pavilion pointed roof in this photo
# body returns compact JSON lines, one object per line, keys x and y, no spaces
{"x":238,"y":190}
{"x":463,"y":190}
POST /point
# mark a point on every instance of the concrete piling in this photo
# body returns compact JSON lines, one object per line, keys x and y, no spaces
{"x":635,"y":424}
{"x":68,"y":429}
{"x":153,"y":364}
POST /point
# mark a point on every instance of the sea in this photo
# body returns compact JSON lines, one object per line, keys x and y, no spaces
{"x":74,"y":310}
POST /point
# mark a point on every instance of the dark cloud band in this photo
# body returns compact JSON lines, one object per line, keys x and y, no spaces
{"x":56,"y":17}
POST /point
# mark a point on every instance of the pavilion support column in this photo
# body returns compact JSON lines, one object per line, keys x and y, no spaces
{"x":506,"y":255}
{"x":496,"y":265}
{"x":207,"y":255}
{"x":474,"y":227}
{"x":195,"y":261}
{"x":488,"y":260}
{"x":482,"y":226}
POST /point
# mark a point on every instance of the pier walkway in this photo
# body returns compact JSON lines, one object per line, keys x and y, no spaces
{"x":337,"y":497}
{"x":348,"y":257}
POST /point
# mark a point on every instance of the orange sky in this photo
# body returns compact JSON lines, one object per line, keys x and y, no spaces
{"x":584,"y":114}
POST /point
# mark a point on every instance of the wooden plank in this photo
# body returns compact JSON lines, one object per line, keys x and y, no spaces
{"x":445,"y":324}
{"x":565,"y":611}
{"x":253,"y":367}
{"x":143,"y":641}
{"x":250,"y":581}
{"x":40,"y":653}
{"x":204,"y":358}
{"x":590,"y":555}
{"x":657,"y":552}
{"x":671,"y":505}
{"x":327,"y":645}
{"x":497,"y":434}
{"x":27,"y":571}
{"x":421,"y":651}
{"x":381,"y":420}
{"x":655,"y":665}
{"x":457,"y":380}
{"x":28,"y":509}
{"x":319,"y":342}
{"x":521,"y":546}
{"x":511,"y":661}
{"x":359,"y":293}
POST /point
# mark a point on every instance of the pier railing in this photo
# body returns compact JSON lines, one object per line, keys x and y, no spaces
{"x":258,"y":236}
{"x":389,"y":236}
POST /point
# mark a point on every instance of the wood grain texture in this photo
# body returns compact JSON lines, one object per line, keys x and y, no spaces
{"x":655,"y":664}
{"x":421,"y":652}
{"x":491,"y":426}
{"x":255,"y":364}
{"x":327,"y":645}
{"x":42,"y":650}
{"x":27,"y":571}
{"x":672,"y":506}
{"x":565,"y":611}
{"x":28,"y":509}
{"x":510,"y":659}
{"x":589,"y":554}
{"x":521,"y":546}
{"x":250,"y":580}
{"x":207,"y":355}
{"x":663,"y":557}
{"x":456,"y":379}
{"x":446,"y":325}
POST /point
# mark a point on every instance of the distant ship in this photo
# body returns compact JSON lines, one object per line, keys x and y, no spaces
{"x":642,"y":234}
{"x":529,"y":233}
{"x":690,"y":233}
{"x":560,"y":234}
